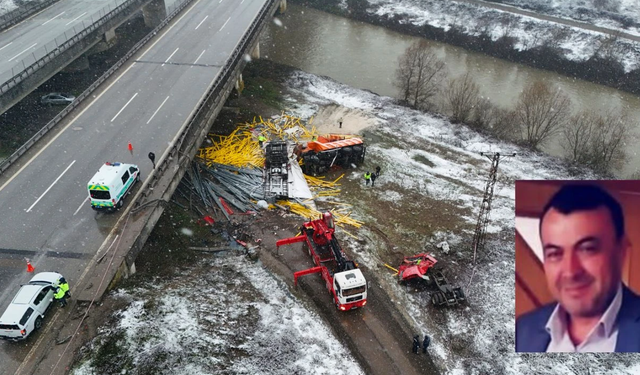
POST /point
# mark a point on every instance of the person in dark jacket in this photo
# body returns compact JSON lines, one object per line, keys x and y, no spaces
{"x":373,"y":179}
{"x":416,"y":344}
{"x":425,"y":344}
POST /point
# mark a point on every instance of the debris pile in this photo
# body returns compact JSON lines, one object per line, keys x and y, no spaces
{"x":227,"y":177}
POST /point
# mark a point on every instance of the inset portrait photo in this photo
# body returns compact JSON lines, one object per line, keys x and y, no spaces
{"x":578,"y":266}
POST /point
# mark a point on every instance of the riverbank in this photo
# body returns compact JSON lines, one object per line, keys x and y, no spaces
{"x":427,"y":196}
{"x":540,"y":44}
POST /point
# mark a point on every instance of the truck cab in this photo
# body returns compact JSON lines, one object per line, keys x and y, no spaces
{"x":109,"y":186}
{"x":350,"y":289}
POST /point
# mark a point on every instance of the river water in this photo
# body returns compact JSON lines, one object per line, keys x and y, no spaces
{"x":366,"y":56}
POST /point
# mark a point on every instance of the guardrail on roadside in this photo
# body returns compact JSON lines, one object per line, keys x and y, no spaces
{"x":19,"y":14}
{"x":61,"y":43}
{"x":172,"y":10}
{"x":214,"y":90}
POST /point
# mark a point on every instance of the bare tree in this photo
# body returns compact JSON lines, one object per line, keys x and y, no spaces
{"x":597,"y":139}
{"x":578,"y":134}
{"x":482,"y":113}
{"x":419,"y":75}
{"x":461,"y":95}
{"x":504,"y":124}
{"x":542,"y":111}
{"x":607,"y":5}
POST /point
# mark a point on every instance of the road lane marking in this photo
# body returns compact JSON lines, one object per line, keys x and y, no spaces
{"x":195,"y":62}
{"x":170,"y":56}
{"x":50,"y":186}
{"x":81,"y":205}
{"x":89,"y":106}
{"x":5,"y":46}
{"x":125,"y":106}
{"x":23,"y":51}
{"x":75,"y":19}
{"x":201,"y":22}
{"x":52,"y":19}
{"x":225,"y":24}
{"x":154,"y":113}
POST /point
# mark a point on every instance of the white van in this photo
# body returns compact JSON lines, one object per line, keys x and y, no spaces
{"x":24,"y":314}
{"x":108,"y":187}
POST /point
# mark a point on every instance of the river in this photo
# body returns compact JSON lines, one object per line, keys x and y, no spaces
{"x":366,"y":56}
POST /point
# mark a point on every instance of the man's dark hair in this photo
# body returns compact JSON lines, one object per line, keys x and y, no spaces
{"x":576,"y":197}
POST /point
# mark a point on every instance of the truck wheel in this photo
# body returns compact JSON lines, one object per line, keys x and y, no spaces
{"x":119,"y":204}
{"x":37,"y":324}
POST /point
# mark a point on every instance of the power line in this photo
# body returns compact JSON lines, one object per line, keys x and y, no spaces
{"x":485,"y":205}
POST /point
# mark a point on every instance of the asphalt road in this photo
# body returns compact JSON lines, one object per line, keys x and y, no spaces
{"x":34,"y":37}
{"x":45,"y":210}
{"x":378,"y":337}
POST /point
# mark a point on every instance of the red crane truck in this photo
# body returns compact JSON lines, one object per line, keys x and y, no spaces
{"x":342,"y":277}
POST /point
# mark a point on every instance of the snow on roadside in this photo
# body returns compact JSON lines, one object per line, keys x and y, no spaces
{"x":477,"y":338}
{"x":219,"y":318}
{"x":530,"y":32}
{"x":6,"y":6}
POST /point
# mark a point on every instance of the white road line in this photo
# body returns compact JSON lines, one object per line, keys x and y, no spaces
{"x":125,"y":106}
{"x":5,"y":46}
{"x":225,"y":24}
{"x":31,"y":352}
{"x":154,"y":113}
{"x":23,"y":51}
{"x":81,"y":205}
{"x":54,"y":182}
{"x":201,"y":22}
{"x":195,"y":62}
{"x":75,"y":19}
{"x":53,"y":19}
{"x":170,"y":56}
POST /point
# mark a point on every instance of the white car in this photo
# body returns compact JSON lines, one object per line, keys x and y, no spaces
{"x":25,"y":313}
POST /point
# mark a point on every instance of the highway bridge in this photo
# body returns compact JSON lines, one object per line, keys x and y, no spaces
{"x":163,"y":98}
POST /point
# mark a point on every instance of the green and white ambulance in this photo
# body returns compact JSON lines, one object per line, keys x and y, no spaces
{"x":113,"y":181}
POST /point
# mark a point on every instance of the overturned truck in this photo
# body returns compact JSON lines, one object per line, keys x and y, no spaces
{"x":331,"y":150}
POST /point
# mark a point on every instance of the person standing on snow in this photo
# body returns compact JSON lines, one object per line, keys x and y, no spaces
{"x":416,"y":343}
{"x":367,"y":177}
{"x":425,"y":344}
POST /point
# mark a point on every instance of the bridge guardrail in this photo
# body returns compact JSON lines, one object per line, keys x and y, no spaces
{"x":18,"y":15}
{"x":61,"y":43}
{"x":214,"y":90}
{"x":172,"y":11}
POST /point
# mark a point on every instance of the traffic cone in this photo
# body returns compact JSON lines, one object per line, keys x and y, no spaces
{"x":29,"y":266}
{"x":130,"y":147}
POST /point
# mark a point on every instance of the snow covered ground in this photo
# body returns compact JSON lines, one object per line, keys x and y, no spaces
{"x":530,"y":32}
{"x":604,"y":13}
{"x":216,"y":318}
{"x":7,"y":6}
{"x":478,"y":338}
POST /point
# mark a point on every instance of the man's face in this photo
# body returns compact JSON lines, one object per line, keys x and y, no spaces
{"x":582,"y":259}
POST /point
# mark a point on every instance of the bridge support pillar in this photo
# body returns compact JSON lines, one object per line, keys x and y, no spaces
{"x":77,"y":65}
{"x":255,"y":53}
{"x":283,"y":6}
{"x":239,"y":84}
{"x":154,"y":13}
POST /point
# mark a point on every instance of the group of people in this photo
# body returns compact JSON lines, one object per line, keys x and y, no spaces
{"x":425,"y":344}
{"x":371,"y":177}
{"x":62,"y":292}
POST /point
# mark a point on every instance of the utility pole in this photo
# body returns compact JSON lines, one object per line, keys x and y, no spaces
{"x":485,"y":206}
